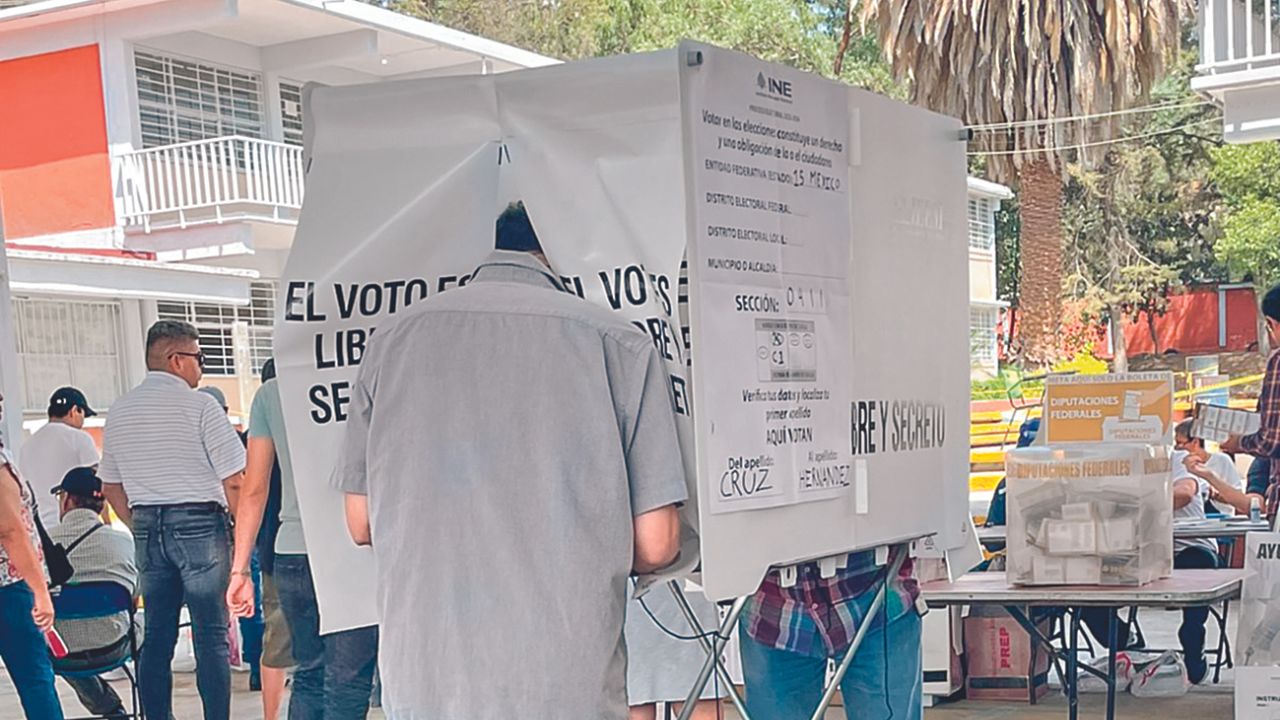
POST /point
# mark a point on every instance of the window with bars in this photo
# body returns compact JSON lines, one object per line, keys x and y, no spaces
{"x":291,"y":111}
{"x":982,"y":224}
{"x":181,"y":100}
{"x":215,"y":324}
{"x":69,"y":342}
{"x":982,"y":335}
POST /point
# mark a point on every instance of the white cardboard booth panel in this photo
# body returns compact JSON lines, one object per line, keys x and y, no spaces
{"x":825,"y":229}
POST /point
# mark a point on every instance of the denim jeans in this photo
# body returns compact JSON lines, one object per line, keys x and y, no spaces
{"x":94,"y":693}
{"x":184,"y":557}
{"x":783,"y":685}
{"x":251,"y":628}
{"x":25,"y":654}
{"x":333,"y":679}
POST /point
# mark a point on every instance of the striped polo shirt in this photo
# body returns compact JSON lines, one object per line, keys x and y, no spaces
{"x":168,"y":444}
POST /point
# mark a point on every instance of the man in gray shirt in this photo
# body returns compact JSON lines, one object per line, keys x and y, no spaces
{"x":511,"y":455}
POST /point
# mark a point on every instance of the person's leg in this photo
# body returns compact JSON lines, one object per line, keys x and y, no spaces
{"x":162,"y":596}
{"x":273,"y":681}
{"x":1096,"y":620}
{"x":643,"y":712}
{"x":200,"y":545}
{"x":277,"y":656}
{"x":885,"y":679}
{"x":25,"y":656}
{"x":780,"y":685}
{"x":1191,"y":633}
{"x":97,"y":697}
{"x":350,"y":659}
{"x":292,"y":579}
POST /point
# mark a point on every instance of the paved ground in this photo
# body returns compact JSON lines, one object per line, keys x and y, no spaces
{"x":1203,"y":703}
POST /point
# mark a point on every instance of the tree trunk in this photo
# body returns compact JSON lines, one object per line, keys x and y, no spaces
{"x":1040,"y":287}
{"x":1121,"y":362}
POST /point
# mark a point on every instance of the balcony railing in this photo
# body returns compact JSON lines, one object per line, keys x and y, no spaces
{"x":1238,"y":36}
{"x":210,"y":181}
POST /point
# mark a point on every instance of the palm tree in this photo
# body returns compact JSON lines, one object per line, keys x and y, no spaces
{"x":1016,"y":70}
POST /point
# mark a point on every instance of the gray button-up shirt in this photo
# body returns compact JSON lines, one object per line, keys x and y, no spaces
{"x":106,"y":555}
{"x":506,"y":434}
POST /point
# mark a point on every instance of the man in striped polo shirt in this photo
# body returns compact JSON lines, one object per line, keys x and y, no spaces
{"x":171,"y":466}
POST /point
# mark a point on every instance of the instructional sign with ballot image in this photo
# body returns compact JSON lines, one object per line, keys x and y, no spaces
{"x":768,"y":267}
{"x":1121,"y":408}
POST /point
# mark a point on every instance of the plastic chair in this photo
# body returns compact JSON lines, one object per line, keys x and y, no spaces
{"x":92,"y":600}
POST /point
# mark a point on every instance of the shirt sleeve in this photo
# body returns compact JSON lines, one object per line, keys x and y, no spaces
{"x":221,"y":444}
{"x":655,"y":470}
{"x":1259,"y":476}
{"x":108,"y":469}
{"x":1266,"y":442}
{"x":86,"y":451}
{"x":352,"y":472}
{"x":259,"y":425}
{"x":1231,"y":475}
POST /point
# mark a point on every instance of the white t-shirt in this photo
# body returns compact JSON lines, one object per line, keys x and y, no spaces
{"x":1193,"y":510}
{"x":47,"y":456}
{"x":1224,"y":468}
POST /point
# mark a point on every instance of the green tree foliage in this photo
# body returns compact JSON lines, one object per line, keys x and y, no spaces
{"x":1139,"y":224}
{"x":800,"y":33}
{"x":1248,"y":176}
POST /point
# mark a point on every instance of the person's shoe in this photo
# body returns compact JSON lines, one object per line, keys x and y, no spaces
{"x":1197,"y":669}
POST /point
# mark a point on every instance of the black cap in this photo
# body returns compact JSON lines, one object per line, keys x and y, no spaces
{"x":81,"y":482}
{"x":66,"y":398}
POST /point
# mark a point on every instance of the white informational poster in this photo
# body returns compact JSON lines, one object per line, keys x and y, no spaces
{"x":1258,"y":641}
{"x":1257,"y":693}
{"x":379,"y":233}
{"x":767,"y":152}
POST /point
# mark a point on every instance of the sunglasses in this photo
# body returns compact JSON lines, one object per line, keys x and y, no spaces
{"x":199,"y":356}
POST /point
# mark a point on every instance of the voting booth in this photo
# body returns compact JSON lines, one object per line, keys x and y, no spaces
{"x":795,"y":248}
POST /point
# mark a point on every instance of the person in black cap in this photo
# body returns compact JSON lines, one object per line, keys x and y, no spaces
{"x":59,"y":446}
{"x":99,"y":553}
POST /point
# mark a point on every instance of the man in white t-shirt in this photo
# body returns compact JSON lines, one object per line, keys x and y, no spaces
{"x":57,"y":448}
{"x":1220,"y":464}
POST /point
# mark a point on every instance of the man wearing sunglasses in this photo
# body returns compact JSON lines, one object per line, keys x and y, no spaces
{"x":171,"y":468}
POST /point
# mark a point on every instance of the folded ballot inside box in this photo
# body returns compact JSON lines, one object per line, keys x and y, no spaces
{"x":1089,"y":515}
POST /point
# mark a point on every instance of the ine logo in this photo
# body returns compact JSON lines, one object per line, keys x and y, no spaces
{"x":774,"y":86}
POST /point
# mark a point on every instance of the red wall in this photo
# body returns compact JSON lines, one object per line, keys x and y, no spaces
{"x":55,"y":172}
{"x":1190,"y":325}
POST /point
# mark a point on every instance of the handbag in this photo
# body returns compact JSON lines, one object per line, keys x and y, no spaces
{"x":55,"y":557}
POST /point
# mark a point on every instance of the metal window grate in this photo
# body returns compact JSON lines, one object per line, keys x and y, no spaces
{"x":291,"y":111}
{"x":982,"y":224}
{"x":215,"y":322}
{"x":69,"y":342}
{"x":982,"y":335}
{"x":182,"y":100}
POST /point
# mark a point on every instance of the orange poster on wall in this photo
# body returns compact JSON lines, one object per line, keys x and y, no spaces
{"x":1124,"y":408}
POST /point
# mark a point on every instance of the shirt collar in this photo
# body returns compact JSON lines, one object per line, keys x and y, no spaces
{"x":80,"y":516}
{"x":515,"y":267}
{"x":159,"y":376}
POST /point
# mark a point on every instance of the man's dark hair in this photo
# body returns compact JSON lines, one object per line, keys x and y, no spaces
{"x":515,"y":232}
{"x":1183,"y":429}
{"x":269,"y":370}
{"x":57,"y":412}
{"x":163,"y":336}
{"x":1271,"y":303}
{"x":81,"y":502}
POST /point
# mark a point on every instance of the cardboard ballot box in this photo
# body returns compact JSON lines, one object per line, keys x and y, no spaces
{"x":1089,"y":515}
{"x":998,"y":653}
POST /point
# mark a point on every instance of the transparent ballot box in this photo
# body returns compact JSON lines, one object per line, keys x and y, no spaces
{"x":1089,"y":515}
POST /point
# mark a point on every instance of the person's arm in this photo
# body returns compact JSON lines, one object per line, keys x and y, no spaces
{"x":1265,"y":442}
{"x":1184,"y":491}
{"x":657,"y":540}
{"x":250,"y":507}
{"x":119,"y":501}
{"x":223,"y":448}
{"x":231,"y":487}
{"x":22,"y":554}
{"x":357,"y":511}
{"x":1222,"y":490}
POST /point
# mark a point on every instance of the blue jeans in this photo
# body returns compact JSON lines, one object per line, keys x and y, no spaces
{"x":184,"y":557}
{"x":251,"y":628}
{"x":783,"y":685}
{"x":333,"y":679}
{"x":25,"y":654}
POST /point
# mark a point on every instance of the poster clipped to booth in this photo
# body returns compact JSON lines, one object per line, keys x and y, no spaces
{"x":768,"y":175}
{"x":1121,"y":408}
{"x":1258,"y":641}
